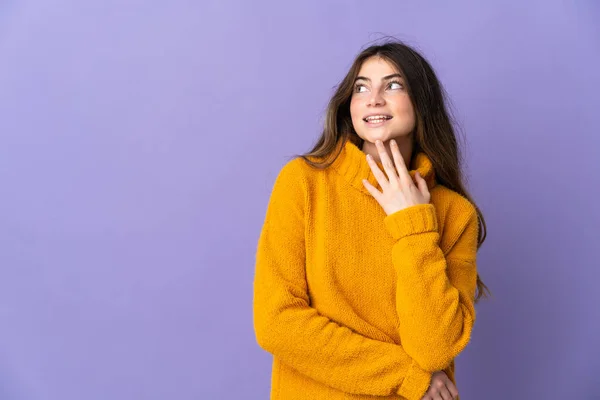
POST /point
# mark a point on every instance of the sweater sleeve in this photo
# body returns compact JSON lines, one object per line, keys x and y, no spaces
{"x":288,"y":327}
{"x":435,"y":292}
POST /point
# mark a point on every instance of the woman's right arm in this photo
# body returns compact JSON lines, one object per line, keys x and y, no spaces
{"x":286,"y":325}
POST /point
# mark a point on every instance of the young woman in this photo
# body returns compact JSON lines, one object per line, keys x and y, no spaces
{"x":366,"y":280}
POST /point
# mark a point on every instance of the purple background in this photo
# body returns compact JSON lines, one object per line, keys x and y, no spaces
{"x":140,"y":141}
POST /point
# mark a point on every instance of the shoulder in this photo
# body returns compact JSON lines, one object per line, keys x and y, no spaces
{"x":454,"y":211}
{"x":295,"y":170}
{"x":291,"y":181}
{"x":300,"y":171}
{"x":451,"y":201}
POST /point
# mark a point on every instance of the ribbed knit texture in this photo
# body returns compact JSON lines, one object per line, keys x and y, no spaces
{"x":353,"y":303}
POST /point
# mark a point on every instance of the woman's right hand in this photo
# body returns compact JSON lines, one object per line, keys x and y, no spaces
{"x":441,"y":388}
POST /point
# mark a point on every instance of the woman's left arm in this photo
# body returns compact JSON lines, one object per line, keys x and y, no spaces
{"x":435,"y":292}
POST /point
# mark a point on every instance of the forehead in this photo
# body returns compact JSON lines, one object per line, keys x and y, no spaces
{"x":375,"y":67}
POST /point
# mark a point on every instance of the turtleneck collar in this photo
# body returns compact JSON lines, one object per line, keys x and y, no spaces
{"x":353,"y":166}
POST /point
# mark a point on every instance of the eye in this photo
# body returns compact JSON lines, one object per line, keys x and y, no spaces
{"x":395,"y":83}
{"x":357,"y":88}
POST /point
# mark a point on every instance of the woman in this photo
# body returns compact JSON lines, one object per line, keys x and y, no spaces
{"x":366,"y":280}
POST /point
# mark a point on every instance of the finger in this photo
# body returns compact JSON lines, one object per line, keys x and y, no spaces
{"x":439,"y":387}
{"x":403,"y":173}
{"x":373,"y":190}
{"x":445,"y":393}
{"x":388,"y":165}
{"x":452,"y":389}
{"x":421,"y":183}
{"x":379,"y":175}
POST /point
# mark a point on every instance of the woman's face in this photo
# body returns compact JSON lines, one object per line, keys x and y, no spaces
{"x":380,"y":90}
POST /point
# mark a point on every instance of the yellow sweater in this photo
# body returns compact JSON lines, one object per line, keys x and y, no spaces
{"x":353,"y":303}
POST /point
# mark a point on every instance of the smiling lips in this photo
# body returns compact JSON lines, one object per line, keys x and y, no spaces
{"x":377,"y":119}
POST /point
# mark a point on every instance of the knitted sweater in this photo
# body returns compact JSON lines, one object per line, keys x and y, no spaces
{"x":354,"y":303}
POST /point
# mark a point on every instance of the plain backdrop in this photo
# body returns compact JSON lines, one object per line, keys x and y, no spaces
{"x":139,"y":141}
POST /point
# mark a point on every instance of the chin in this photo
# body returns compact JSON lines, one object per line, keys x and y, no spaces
{"x":372,"y":137}
{"x":385,"y":136}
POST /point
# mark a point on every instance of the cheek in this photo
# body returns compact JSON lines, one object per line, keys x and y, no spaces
{"x":405,"y":110}
{"x":354,"y":108}
{"x":403,"y":106}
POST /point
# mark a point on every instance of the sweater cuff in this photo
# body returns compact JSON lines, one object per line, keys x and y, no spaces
{"x":412,"y":220}
{"x":416,"y":382}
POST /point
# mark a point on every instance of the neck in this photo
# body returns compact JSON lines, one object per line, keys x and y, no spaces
{"x":351,"y":163}
{"x":405,"y":144}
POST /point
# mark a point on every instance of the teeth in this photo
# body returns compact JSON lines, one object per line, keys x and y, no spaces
{"x":377,"y":118}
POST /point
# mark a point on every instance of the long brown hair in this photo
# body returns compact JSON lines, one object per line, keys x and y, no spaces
{"x":434,"y":133}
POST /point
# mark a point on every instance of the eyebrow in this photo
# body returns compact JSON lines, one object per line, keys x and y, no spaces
{"x":385,"y":78}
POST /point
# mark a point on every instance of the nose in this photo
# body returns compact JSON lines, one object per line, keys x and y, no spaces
{"x":375,"y":99}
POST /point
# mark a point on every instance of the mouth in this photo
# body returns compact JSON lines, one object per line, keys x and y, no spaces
{"x":377,"y":120}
